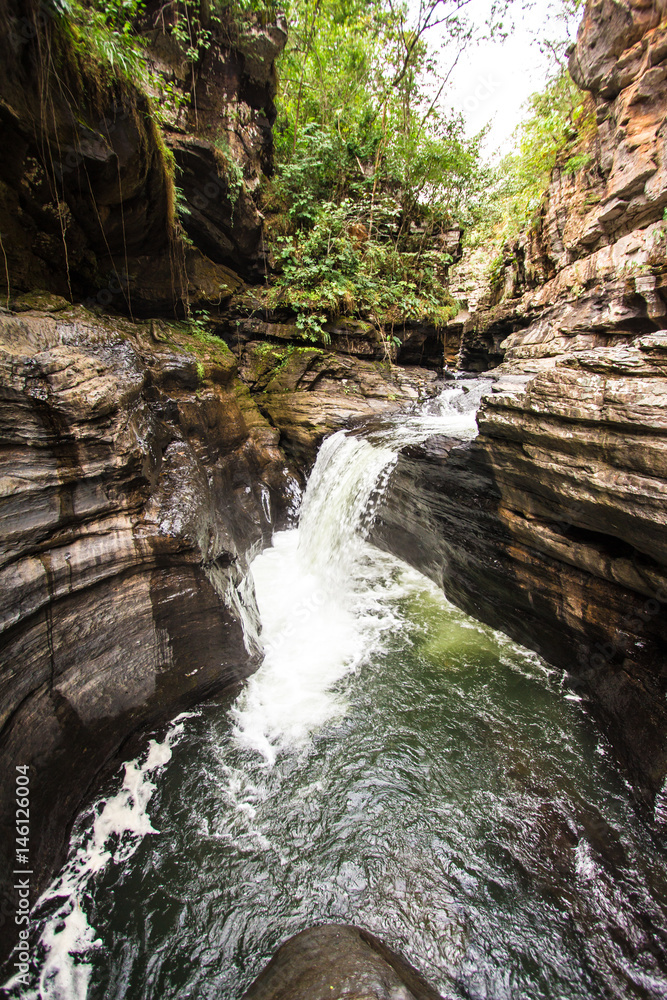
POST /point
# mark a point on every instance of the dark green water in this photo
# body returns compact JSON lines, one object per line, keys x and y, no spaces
{"x":395,"y":765}
{"x":463,"y":809}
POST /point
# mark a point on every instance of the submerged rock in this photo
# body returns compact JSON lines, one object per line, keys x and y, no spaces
{"x":340,"y":962}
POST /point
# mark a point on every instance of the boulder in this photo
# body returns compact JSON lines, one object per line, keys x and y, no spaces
{"x":339,"y":962}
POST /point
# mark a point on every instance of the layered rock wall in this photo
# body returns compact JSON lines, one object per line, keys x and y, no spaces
{"x":138,"y":479}
{"x":309,"y":392}
{"x":139,"y":473}
{"x":552,"y":524}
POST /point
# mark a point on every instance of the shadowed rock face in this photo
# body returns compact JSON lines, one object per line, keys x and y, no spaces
{"x":88,"y":205}
{"x":551,"y":527}
{"x":138,"y":480}
{"x":341,"y":962}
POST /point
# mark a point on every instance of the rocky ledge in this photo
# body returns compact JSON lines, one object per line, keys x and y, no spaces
{"x":138,"y":479}
{"x":307,"y":392}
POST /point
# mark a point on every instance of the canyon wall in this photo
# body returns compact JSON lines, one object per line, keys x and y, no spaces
{"x":138,"y":479}
{"x":144,"y":463}
{"x":138,"y":476}
{"x":106,"y":200}
{"x":552,"y":525}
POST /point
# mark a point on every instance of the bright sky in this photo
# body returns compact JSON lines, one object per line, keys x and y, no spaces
{"x":492,"y":81}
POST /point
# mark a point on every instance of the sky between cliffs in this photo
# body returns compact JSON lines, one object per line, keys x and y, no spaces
{"x":492,"y":80}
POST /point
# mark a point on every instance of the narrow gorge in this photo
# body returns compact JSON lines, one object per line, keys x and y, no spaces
{"x":218,"y":505}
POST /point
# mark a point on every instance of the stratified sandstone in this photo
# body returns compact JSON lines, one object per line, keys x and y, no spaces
{"x":552,"y":526}
{"x":307,"y":392}
{"x":138,"y":479}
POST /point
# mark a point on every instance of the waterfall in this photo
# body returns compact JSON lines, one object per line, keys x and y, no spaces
{"x":324,"y":594}
{"x":393,"y":764}
{"x":327,"y":603}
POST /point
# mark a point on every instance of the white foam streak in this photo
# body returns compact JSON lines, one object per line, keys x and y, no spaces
{"x":111,"y":830}
{"x":328,"y":601}
{"x":311,"y":639}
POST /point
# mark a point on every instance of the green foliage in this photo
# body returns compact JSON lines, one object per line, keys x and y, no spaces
{"x":558,"y":119}
{"x":232,"y":170}
{"x":189,"y":30}
{"x":328,"y":270}
{"x":195,"y":336}
{"x":277,"y":360}
{"x":104,"y":30}
{"x":557,"y":130}
{"x":358,"y":116}
{"x":370,"y":169}
{"x":198,"y":326}
{"x":264,"y":8}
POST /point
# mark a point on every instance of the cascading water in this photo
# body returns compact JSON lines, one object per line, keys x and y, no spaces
{"x":393,"y":764}
{"x":325,"y":595}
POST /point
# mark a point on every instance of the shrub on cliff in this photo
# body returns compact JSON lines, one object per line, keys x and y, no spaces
{"x":371,"y":169}
{"x":556,"y":131}
{"x":334,"y":269}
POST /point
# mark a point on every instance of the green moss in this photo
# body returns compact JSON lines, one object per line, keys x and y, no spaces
{"x":41,"y":301}
{"x":203,"y":345}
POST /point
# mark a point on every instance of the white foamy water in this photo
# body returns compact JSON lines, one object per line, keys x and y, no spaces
{"x":328,"y":602}
{"x":110,"y":831}
{"x":327,"y":598}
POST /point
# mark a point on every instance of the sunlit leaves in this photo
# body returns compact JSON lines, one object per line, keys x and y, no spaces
{"x":559,"y":125}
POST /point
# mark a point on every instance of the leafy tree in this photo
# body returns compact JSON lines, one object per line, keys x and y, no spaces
{"x":361,"y":128}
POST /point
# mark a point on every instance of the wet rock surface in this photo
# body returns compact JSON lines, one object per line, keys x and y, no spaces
{"x":308,"y":392}
{"x":488,"y":522}
{"x":341,"y":962}
{"x":138,"y":480}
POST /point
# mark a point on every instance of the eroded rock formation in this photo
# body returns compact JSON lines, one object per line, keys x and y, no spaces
{"x":308,"y":392}
{"x":141,"y":473}
{"x":553,"y":524}
{"x":138,"y":480}
{"x":139,"y":477}
{"x":89,"y":204}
